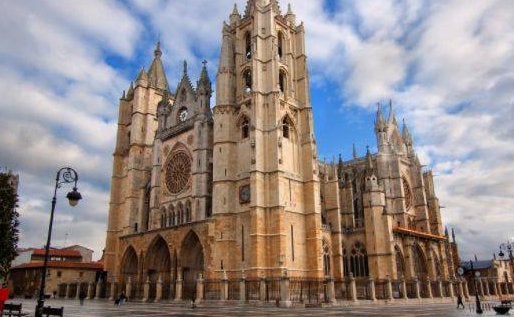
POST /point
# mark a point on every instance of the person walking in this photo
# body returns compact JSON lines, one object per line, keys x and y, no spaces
{"x":459,"y":302}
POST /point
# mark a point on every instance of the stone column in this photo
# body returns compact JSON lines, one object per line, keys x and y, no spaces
{"x":178,"y":285}
{"x":353,"y":288}
{"x":113,"y":290}
{"x":403,"y":286}
{"x":77,"y":293}
{"x":416,"y":283}
{"x":242,"y":288}
{"x":224,"y":286}
{"x":146,"y":289}
{"x":98,"y":289}
{"x":429,"y":288}
{"x":450,"y":288}
{"x":158,"y":289}
{"x":371,"y":285}
{"x":389,"y":289}
{"x":460,"y":289}
{"x":128,"y":288}
{"x":285,"y":296}
{"x":465,"y":286}
{"x":67,"y":293}
{"x":486,"y":284}
{"x":262,"y":289}
{"x":440,"y":286}
{"x":331,"y":290}
{"x":89,"y":290}
{"x":199,"y":288}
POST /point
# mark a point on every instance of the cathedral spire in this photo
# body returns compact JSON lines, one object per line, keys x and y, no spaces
{"x":290,"y":16}
{"x":156,"y":74}
{"x":380,"y":124}
{"x":453,"y":235}
{"x":354,"y":151}
{"x":235,"y":16}
{"x":204,"y":82}
{"x":369,"y":162}
{"x":392,"y":117}
{"x":406,"y":136}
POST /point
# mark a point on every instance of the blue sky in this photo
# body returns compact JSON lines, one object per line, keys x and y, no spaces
{"x":447,"y":66}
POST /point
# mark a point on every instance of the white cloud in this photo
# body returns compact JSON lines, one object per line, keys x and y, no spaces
{"x":447,"y":66}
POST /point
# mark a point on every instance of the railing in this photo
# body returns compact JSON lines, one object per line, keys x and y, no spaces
{"x":233,"y":290}
{"x":397,"y":289}
{"x":362,"y":288}
{"x":212,"y":289}
{"x":252,"y":289}
{"x":381,"y":291}
{"x":272,"y":289}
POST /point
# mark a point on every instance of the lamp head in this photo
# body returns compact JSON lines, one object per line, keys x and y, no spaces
{"x":501,"y":254}
{"x":73,"y":197}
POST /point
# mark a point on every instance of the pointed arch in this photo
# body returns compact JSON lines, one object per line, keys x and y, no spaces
{"x":288,"y":127}
{"x":157,"y":263}
{"x":419,"y":262}
{"x":282,"y":80}
{"x":191,"y":261}
{"x":243,"y":122}
{"x":129,"y":264}
{"x":247,"y":80}
{"x":248,"y":44}
{"x":280,"y":44}
{"x":327,"y":265}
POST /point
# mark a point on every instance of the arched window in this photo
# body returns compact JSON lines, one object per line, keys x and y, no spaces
{"x":247,"y":81}
{"x":356,"y":261}
{"x":245,"y":129}
{"x":358,"y":208}
{"x":171,"y":220}
{"x":282,"y":81}
{"x":179,"y":213}
{"x":248,"y":45}
{"x":286,"y":127}
{"x":188,"y":211}
{"x":326,"y":259}
{"x":280,"y":44}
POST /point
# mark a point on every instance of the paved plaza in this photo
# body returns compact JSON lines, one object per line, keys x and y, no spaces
{"x":95,"y":308}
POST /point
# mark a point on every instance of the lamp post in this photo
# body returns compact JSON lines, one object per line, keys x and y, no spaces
{"x":476,"y":274}
{"x":64,"y":175}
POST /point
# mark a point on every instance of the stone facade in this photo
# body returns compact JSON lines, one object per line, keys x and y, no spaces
{"x":236,"y":192}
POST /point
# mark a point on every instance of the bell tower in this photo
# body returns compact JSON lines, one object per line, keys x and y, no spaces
{"x":265,"y":181}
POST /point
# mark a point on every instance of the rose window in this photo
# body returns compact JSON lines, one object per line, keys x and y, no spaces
{"x":178,"y":172}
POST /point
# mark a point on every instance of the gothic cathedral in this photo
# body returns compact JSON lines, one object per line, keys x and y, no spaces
{"x":236,"y":191}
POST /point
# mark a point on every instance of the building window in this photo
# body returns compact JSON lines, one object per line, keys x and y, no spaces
{"x":59,"y":273}
{"x":356,"y":262}
{"x":280,"y":44}
{"x":81,"y":274}
{"x":135,"y":227}
{"x":245,"y":129}
{"x":326,"y":259}
{"x":286,"y":126}
{"x":247,"y":78}
{"x":282,"y":81}
{"x":248,"y":45}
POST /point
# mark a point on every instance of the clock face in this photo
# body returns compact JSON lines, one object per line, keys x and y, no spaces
{"x":244,"y":193}
{"x":182,"y":116}
{"x":460,"y":270}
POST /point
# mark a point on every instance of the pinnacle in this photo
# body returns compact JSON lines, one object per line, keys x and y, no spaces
{"x":235,"y":11}
{"x":157,"y":51}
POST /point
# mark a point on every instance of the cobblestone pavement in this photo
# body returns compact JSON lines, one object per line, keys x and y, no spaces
{"x":93,"y":308}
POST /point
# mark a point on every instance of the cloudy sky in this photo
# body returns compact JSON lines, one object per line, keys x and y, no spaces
{"x":447,"y":65}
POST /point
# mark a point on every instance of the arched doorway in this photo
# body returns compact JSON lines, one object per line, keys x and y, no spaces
{"x":129,"y":266}
{"x":192,"y":263}
{"x":158,"y":265}
{"x":400,"y":263}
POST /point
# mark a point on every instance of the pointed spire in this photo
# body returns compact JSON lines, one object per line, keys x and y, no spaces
{"x":354,"y":151}
{"x":156,"y":74}
{"x":369,"y":162}
{"x":406,"y":136}
{"x":446,"y":232}
{"x":235,"y":16}
{"x":130,"y":91}
{"x":123,"y":95}
{"x":392,"y":118}
{"x":453,"y":235}
{"x":289,"y":10}
{"x":204,"y":81}
{"x":340,"y":159}
{"x":142,"y":74}
{"x":290,"y":16}
{"x":380,"y":124}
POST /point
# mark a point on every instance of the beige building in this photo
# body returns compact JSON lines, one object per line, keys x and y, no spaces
{"x":232,"y":202}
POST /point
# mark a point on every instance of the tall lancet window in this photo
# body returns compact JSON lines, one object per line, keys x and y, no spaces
{"x":282,"y":81}
{"x":247,"y":78}
{"x":286,"y":127}
{"x":280,"y":44}
{"x":248,"y":45}
{"x":245,"y":129}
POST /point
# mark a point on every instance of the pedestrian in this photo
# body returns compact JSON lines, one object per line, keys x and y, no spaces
{"x":82,"y":296}
{"x":122,"y":298}
{"x":459,"y":302}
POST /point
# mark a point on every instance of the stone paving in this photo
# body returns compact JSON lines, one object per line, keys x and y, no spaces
{"x":103,"y":308}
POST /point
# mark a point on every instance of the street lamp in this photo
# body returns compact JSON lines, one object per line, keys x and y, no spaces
{"x":64,"y":175}
{"x":476,"y":274}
